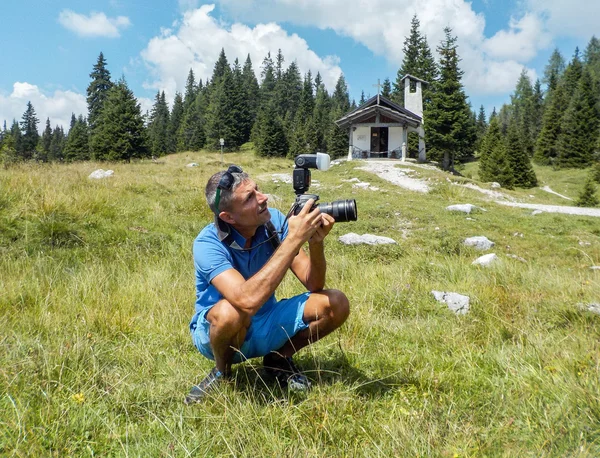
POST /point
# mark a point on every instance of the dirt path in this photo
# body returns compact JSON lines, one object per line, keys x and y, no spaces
{"x":398,"y":176}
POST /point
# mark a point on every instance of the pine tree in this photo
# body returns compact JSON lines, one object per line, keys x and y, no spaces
{"x":546,"y":146}
{"x":386,"y":88}
{"x":537,"y":110}
{"x":481,"y":128}
{"x":175,"y":121}
{"x":418,"y":61}
{"x":588,"y":197}
{"x":267,"y":87}
{"x":363,"y":99}
{"x":97,"y":91}
{"x":580,"y":128}
{"x":450,"y":131}
{"x":321,"y":115}
{"x":251,"y":94}
{"x":520,"y":164}
{"x":522,"y":112}
{"x":46,"y":141}
{"x":57,"y":145}
{"x":337,"y":138}
{"x":491,"y":139}
{"x":554,"y":70}
{"x":120,"y":128}
{"x":499,"y":166}
{"x":77,"y":146}
{"x":158,"y":126}
{"x":269,"y":135}
{"x":29,"y":140}
{"x":573,"y":72}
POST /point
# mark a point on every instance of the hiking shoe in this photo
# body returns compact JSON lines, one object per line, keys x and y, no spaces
{"x":211,"y":382}
{"x":286,"y":372}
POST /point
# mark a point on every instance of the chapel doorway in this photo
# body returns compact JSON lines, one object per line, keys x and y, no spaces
{"x":379,"y":141}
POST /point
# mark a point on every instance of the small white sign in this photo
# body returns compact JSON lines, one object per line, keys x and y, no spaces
{"x":222,"y":141}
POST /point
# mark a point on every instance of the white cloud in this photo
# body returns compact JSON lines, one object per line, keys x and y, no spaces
{"x":521,"y":42}
{"x":572,"y":18}
{"x":382,"y":25}
{"x":58,"y":106}
{"x":94,"y":25}
{"x":197,"y":41}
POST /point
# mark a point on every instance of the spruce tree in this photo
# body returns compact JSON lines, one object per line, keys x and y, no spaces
{"x":518,"y":158}
{"x":29,"y":140}
{"x":46,"y":141}
{"x":120,"y":133}
{"x":321,"y":115}
{"x":522,"y":112}
{"x":481,"y":128}
{"x":175,"y":120}
{"x":546,"y":146}
{"x":450,"y":131}
{"x":491,"y":139}
{"x":77,"y":146}
{"x":499,"y":166}
{"x":386,"y":88}
{"x":588,"y":197}
{"x":581,"y":126}
{"x":158,"y":126}
{"x":97,"y":91}
{"x":57,"y":145}
{"x":363,"y":99}
{"x":251,"y":94}
{"x":537,"y":110}
{"x":337,"y":138}
{"x":269,"y":136}
{"x":554,"y":70}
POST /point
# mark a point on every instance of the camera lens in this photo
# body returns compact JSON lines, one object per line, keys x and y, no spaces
{"x":341,"y":210}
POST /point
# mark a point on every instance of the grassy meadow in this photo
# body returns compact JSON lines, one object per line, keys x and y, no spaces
{"x":97,"y":290}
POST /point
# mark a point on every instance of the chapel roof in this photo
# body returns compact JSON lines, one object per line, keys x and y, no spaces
{"x":382,"y":105}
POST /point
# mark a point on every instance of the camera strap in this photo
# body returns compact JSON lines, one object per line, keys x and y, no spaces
{"x":226,"y":237}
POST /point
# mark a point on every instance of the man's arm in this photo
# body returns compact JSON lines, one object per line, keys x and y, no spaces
{"x":249,"y":295}
{"x":311,"y":271}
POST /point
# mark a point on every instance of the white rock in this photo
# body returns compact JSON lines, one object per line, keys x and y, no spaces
{"x":495,"y":185}
{"x":536,"y":212}
{"x":99,"y":174}
{"x":352,"y":180}
{"x":486,"y":260}
{"x":193,"y":164}
{"x":594,"y":308}
{"x":368,"y":239}
{"x":458,"y":303}
{"x":465,"y":208}
{"x":373,"y":188}
{"x":480,"y":242}
{"x":595,"y":267}
{"x":363,"y":185}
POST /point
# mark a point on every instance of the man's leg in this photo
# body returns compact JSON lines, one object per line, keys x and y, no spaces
{"x":228,"y":327}
{"x":324,"y":312}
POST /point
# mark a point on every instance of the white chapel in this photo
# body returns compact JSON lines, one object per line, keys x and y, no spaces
{"x":379,"y":128}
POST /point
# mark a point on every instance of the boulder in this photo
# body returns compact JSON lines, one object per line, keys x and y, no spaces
{"x":595,"y":308}
{"x":465,"y":208}
{"x":486,"y":260}
{"x":193,"y":164}
{"x":458,"y":303}
{"x":99,"y":174}
{"x":479,"y":242}
{"x":365,"y":239}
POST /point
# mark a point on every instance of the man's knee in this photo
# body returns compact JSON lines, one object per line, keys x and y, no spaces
{"x":223,"y":315}
{"x":335,"y":306}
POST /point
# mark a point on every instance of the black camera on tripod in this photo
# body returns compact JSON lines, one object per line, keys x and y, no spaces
{"x":341,"y":210}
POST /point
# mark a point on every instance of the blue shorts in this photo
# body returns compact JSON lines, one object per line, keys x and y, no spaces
{"x":272,"y":326}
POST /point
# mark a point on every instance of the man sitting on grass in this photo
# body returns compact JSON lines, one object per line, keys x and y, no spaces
{"x":240,"y":260}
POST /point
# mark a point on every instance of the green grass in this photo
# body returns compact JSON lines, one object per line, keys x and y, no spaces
{"x":97,"y":289}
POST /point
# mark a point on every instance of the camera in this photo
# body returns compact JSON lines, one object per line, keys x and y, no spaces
{"x":341,"y":210}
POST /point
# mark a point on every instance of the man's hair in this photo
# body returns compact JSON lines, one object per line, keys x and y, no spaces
{"x":226,"y":196}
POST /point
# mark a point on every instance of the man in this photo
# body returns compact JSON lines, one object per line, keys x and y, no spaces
{"x":240,"y":260}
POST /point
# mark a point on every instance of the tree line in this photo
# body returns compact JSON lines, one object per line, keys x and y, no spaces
{"x":287,"y":113}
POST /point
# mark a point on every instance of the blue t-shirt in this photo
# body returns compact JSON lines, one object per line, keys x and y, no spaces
{"x":212,"y":257}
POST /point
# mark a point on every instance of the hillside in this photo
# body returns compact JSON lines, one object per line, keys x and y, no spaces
{"x":97,"y":289}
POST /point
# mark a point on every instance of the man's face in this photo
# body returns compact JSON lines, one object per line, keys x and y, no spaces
{"x":249,"y":206}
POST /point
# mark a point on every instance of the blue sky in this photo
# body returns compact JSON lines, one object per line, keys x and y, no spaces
{"x":49,"y":47}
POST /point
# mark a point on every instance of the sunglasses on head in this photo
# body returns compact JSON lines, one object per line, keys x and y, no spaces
{"x":226,"y":183}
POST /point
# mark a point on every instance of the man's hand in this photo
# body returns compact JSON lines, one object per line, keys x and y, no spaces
{"x":327,"y":222}
{"x":302,"y":227}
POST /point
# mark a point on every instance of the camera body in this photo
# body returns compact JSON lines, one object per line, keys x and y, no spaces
{"x":340,"y":210}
